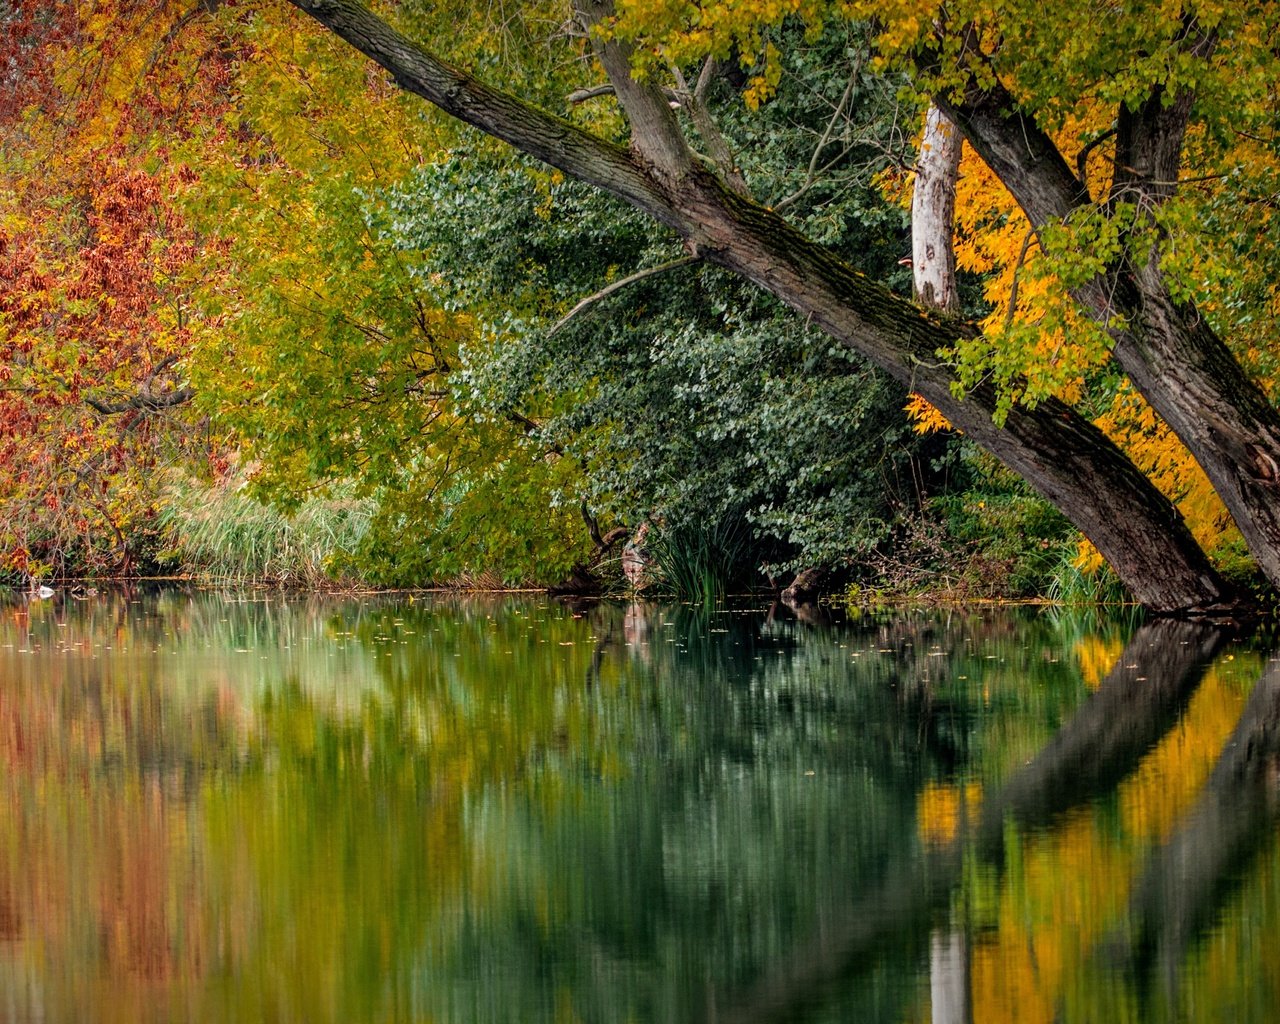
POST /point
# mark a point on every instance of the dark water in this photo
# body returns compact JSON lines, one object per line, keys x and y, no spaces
{"x":245,"y":808}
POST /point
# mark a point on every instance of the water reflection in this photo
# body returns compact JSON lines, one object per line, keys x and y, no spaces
{"x":243,"y":807}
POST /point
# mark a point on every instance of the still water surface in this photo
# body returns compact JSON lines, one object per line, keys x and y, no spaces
{"x":237,"y":807}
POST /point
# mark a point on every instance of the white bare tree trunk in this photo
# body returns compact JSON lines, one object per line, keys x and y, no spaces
{"x":933,"y":211}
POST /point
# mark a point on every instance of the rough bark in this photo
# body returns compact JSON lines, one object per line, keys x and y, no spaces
{"x":1174,"y":358}
{"x":143,"y":401}
{"x":1181,"y":366}
{"x":1060,"y":454}
{"x":655,"y":133}
{"x":933,"y":213}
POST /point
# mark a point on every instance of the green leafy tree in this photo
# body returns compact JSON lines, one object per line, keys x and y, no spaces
{"x":329,"y":353}
{"x":686,"y":400}
{"x":704,"y":199}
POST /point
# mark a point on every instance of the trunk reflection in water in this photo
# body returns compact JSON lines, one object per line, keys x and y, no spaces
{"x":241,"y":807}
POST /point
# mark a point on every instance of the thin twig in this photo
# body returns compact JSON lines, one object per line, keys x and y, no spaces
{"x":618,"y":285}
{"x":1013,"y":288}
{"x":1082,"y":158}
{"x":811,"y":174}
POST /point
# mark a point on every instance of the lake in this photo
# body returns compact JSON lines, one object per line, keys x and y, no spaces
{"x":246,"y":806}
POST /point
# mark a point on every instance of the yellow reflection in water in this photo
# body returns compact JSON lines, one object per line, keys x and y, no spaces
{"x":1064,"y":893}
{"x":1097,"y":654}
{"x":1168,"y":780}
{"x":944,"y":809}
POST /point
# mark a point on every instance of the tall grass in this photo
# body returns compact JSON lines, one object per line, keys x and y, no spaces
{"x":700,"y":562}
{"x":1071,"y":586}
{"x":223,"y":534}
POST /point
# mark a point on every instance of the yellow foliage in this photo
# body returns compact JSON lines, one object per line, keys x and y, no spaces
{"x":925,"y":419}
{"x":1088,"y":559}
{"x":1035,"y":342}
{"x":1156,"y":450}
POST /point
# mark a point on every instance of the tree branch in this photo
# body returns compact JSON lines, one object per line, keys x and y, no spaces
{"x":811,"y":172}
{"x":655,"y":133}
{"x":602,"y":542}
{"x":1149,"y":137}
{"x":1021,"y":154}
{"x":717,"y":147}
{"x":582,"y":95}
{"x":618,"y":285}
{"x":1013,"y":286}
{"x":536,"y":132}
{"x":146,"y":399}
{"x":1082,"y":158}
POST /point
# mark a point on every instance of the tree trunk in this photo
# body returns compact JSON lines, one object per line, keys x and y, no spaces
{"x":933,"y":213}
{"x":1180,"y":365}
{"x":1174,"y":358}
{"x":1060,"y":454}
{"x":1068,"y":460}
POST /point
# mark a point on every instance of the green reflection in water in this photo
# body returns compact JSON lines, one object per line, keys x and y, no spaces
{"x":246,"y":807}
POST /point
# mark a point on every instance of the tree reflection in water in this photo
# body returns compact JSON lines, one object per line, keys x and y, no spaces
{"x":249,"y":807}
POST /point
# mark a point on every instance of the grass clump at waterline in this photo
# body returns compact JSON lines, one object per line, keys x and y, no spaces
{"x":223,"y":534}
{"x":701,"y":563}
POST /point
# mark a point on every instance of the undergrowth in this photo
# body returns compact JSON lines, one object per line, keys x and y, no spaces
{"x":222,"y":533}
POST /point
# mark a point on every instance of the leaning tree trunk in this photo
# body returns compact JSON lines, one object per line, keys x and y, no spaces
{"x":1059,"y":453}
{"x":1062,"y":455}
{"x":1181,"y":366}
{"x":1176,"y":361}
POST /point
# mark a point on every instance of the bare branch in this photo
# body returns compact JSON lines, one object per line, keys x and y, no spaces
{"x":618,"y":285}
{"x":1030,"y":237}
{"x":146,"y":399}
{"x":1082,"y":158}
{"x":582,"y":95}
{"x":811,"y":173}
{"x":602,"y":542}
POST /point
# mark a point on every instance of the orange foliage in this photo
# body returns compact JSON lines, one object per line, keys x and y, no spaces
{"x":96,"y":264}
{"x":1035,"y":342}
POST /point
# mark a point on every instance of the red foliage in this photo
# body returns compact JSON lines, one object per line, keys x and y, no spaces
{"x":96,"y":262}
